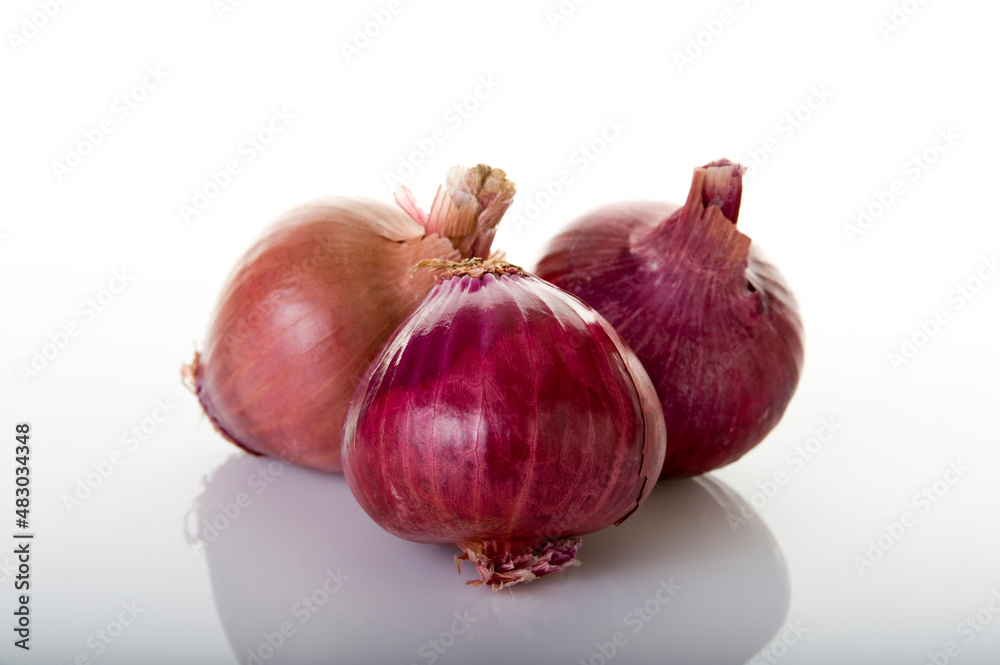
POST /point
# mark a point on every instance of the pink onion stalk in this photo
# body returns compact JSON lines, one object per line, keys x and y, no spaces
{"x":713,"y":323}
{"x":505,"y":417}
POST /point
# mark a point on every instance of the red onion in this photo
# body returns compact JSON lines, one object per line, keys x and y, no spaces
{"x":311,"y":303}
{"x":712,"y":322}
{"x":505,"y":417}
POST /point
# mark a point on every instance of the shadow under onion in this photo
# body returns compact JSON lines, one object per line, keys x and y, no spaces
{"x":301,"y":575}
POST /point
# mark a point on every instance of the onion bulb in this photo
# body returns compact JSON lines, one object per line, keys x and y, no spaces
{"x":310,"y":304}
{"x":506,"y":417}
{"x":713,"y":322}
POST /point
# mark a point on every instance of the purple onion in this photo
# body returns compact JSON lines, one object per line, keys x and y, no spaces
{"x":713,"y":323}
{"x":506,"y":417}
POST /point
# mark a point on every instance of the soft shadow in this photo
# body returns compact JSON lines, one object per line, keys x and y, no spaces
{"x":302,"y":553}
{"x":735,"y":586}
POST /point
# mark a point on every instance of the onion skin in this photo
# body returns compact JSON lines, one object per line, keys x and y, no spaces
{"x":713,"y":323}
{"x":311,"y":303}
{"x":505,"y":417}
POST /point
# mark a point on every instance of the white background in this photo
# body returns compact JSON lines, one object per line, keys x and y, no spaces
{"x":886,"y":95}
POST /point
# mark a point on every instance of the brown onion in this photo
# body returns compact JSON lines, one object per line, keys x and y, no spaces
{"x":311,"y":303}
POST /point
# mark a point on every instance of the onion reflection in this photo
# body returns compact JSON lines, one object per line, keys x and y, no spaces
{"x":301,"y":575}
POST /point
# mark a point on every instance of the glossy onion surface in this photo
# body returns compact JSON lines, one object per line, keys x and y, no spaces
{"x":713,"y":323}
{"x":504,"y":416}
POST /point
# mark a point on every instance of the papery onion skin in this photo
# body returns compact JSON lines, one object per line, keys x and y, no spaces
{"x":713,"y":323}
{"x":311,"y":303}
{"x":506,"y":417}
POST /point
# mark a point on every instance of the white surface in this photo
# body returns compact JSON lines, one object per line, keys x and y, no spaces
{"x":556,"y":88}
